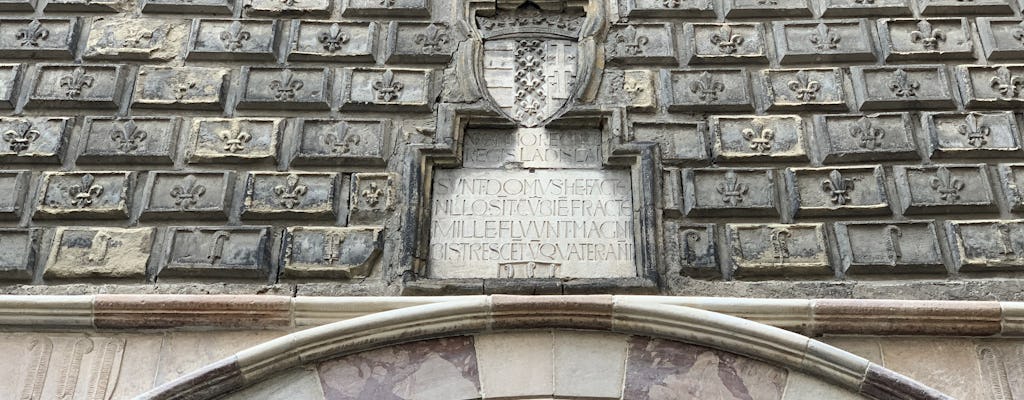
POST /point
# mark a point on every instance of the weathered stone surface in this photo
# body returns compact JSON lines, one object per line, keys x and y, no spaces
{"x":986,"y":245}
{"x":343,"y":253}
{"x":9,"y":81}
{"x":18,"y":5}
{"x":188,"y":194}
{"x":290,"y":194}
{"x":926,"y":39}
{"x":904,"y":87}
{"x":758,"y":138}
{"x":325,"y":40}
{"x":777,"y":249}
{"x":38,"y":38}
{"x":861,"y":8}
{"x":729,"y":192}
{"x":13,"y":185}
{"x":669,"y":8}
{"x":889,"y":247}
{"x":389,"y":8}
{"x":725,"y":43}
{"x":693,"y":249}
{"x":824,"y":41}
{"x":225,"y":39}
{"x":648,"y":44}
{"x":726,"y":90}
{"x":837,"y":191}
{"x":81,"y":5}
{"x":1001,"y":38}
{"x":532,"y":148}
{"x":227,"y":252}
{"x":93,"y":194}
{"x":33,"y":139}
{"x":972,"y":134}
{"x":373,"y":196}
{"x":680,"y":142}
{"x":99,"y":253}
{"x":639,"y":87}
{"x":194,"y":6}
{"x":809,"y":89}
{"x":304,"y":8}
{"x":855,"y":137}
{"x":991,"y":87}
{"x":388,"y":89}
{"x":69,"y":85}
{"x":289,"y":88}
{"x":342,"y":142}
{"x":180,"y":88}
{"x":135,"y":39}
{"x":944,"y":188}
{"x":1011,"y":177}
{"x":66,"y":364}
{"x":219,"y":140}
{"x":957,"y":7}
{"x":18,"y":253}
{"x":150,"y":140}
{"x":421,"y":43}
{"x":761,"y":9}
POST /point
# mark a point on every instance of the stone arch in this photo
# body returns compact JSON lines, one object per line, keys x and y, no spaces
{"x":698,"y":333}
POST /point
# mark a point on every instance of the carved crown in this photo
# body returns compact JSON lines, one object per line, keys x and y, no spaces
{"x":529,"y":20}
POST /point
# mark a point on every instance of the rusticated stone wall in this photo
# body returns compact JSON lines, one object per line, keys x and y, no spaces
{"x":781,"y":148}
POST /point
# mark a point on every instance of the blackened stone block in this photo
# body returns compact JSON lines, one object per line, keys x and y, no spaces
{"x":777,"y":249}
{"x":861,"y":8}
{"x":808,"y":89}
{"x":693,"y":249}
{"x":342,"y":142}
{"x":180,"y":88}
{"x":729,"y":192}
{"x":149,"y":140}
{"x":289,"y":88}
{"x":902,"y":87}
{"x":679,"y":142}
{"x":219,"y":140}
{"x":38,"y":38}
{"x":837,"y":191}
{"x":855,"y":137}
{"x":372,"y":199}
{"x":9,"y":74}
{"x":767,"y":9}
{"x":336,"y":253}
{"x":387,"y":89}
{"x":670,"y":8}
{"x":725,"y":43}
{"x":226,"y":39}
{"x":1011,"y":177}
{"x":1002,"y":38}
{"x":972,"y":134}
{"x":74,"y":86}
{"x":644,"y":44}
{"x":188,"y":6}
{"x":997,"y":86}
{"x":93,"y":194}
{"x":931,"y":39}
{"x":13,"y":185}
{"x":700,"y":90}
{"x":335,"y":41}
{"x":386,"y":8}
{"x":758,"y":138}
{"x":80,"y":253}
{"x":986,"y":245}
{"x":81,"y":6}
{"x":889,"y":247}
{"x":217,"y":252}
{"x":290,"y":195}
{"x":944,"y":189}
{"x":824,"y":41}
{"x":18,"y":5}
{"x":188,"y":195}
{"x":960,"y":7}
{"x":297,"y":8}
{"x":18,"y":253}
{"x":33,"y":139}
{"x":410,"y":42}
{"x":135,"y":39}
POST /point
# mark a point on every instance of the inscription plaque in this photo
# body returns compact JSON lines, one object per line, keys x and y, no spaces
{"x":566,"y":218}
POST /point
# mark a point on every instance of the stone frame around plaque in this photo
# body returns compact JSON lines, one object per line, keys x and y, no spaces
{"x":639,"y":158}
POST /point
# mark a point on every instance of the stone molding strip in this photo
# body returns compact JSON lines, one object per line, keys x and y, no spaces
{"x":484,"y":314}
{"x":808,"y":317}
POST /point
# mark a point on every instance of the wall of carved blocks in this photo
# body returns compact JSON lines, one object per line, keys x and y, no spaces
{"x":264,"y":141}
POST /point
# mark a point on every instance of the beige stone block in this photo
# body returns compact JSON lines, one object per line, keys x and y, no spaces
{"x":184,"y":352}
{"x":516,"y":364}
{"x":138,"y":365}
{"x":803,"y":387}
{"x":99,"y":252}
{"x":948,"y":365}
{"x":589,"y":364}
{"x":15,"y":348}
{"x":300,"y":383}
{"x":61,"y":366}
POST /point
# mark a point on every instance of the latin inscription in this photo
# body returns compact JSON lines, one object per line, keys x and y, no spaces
{"x":532,"y":148}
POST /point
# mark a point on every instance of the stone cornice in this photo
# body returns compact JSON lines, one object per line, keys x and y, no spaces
{"x":243,"y":312}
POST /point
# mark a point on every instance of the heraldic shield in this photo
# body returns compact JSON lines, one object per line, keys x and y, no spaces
{"x":530,"y":62}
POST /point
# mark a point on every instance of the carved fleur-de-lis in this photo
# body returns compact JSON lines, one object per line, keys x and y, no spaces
{"x":82,"y":195}
{"x":870,"y":136}
{"x":128,"y":136}
{"x":837,"y":187}
{"x":726,"y":41}
{"x":21,"y":136}
{"x":372,"y":194}
{"x":290,"y":3}
{"x":387,"y":3}
{"x":1018,"y":33}
{"x":234,"y":138}
{"x":671,"y":3}
{"x":76,"y":82}
{"x":137,"y":40}
{"x":929,"y":38}
{"x":947,"y":185}
{"x":433,"y":38}
{"x":760,"y":138}
{"x":341,"y":141}
{"x":706,"y":87}
{"x":333,"y":39}
{"x":976,"y":133}
{"x":1007,"y":85}
{"x":286,"y":87}
{"x":387,"y":88}
{"x":901,"y":85}
{"x":234,"y":37}
{"x":181,"y":88}
{"x":32,"y":34}
{"x":825,"y":38}
{"x":690,"y":239}
{"x":731,"y":190}
{"x":864,"y":1}
{"x":780,"y":244}
{"x":291,"y":193}
{"x":805,"y":88}
{"x":187,"y":194}
{"x":630,"y":42}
